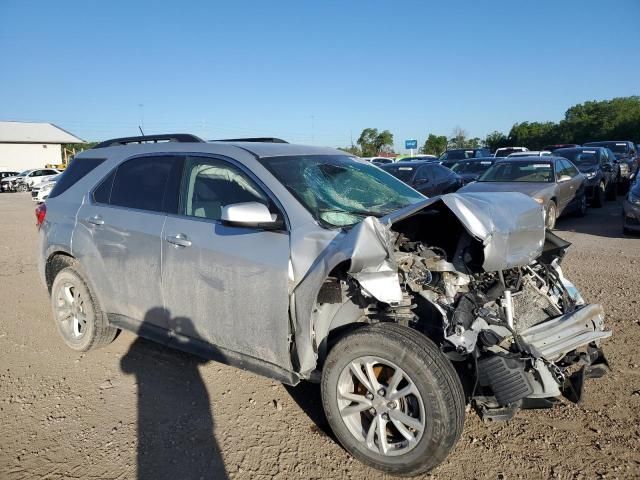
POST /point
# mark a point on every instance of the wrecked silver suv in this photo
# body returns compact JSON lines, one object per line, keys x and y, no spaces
{"x":302,"y":263}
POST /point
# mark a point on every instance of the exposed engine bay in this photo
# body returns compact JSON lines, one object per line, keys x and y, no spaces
{"x":520,"y":336}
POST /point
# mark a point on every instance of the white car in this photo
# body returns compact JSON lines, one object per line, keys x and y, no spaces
{"x":41,"y":192}
{"x":534,"y":153}
{"x":28,"y":179}
{"x":506,"y":151}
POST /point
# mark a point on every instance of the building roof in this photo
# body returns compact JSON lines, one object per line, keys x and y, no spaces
{"x":31,"y":132}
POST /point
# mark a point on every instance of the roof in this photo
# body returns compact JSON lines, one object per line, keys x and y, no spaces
{"x":532,"y":158}
{"x":283,"y":149}
{"x":32,"y":132}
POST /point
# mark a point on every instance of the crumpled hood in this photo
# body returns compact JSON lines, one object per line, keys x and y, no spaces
{"x":510,"y":225}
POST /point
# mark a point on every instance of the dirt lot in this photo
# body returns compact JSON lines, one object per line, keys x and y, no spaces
{"x":137,"y":409}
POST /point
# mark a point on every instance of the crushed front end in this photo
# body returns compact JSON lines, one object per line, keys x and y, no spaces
{"x":479,"y":275}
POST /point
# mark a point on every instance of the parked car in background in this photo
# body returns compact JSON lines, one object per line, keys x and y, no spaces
{"x":470,"y":170}
{"x":418,"y":157}
{"x":451,"y":156}
{"x":625,"y":152}
{"x":429,"y":178}
{"x":530,"y":153}
{"x":41,"y":191}
{"x":24,"y":181}
{"x":10,"y":183}
{"x":631,"y":209}
{"x":6,"y":174}
{"x":506,"y":151}
{"x":379,"y":160}
{"x":599,"y":166}
{"x":552,"y":148}
{"x":553,"y":182}
{"x":303,"y":263}
{"x":38,"y":176}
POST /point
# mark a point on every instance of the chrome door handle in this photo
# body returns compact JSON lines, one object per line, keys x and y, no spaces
{"x":179,"y":240}
{"x":95,"y":220}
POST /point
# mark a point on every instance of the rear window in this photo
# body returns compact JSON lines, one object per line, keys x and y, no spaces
{"x":77,"y":169}
{"x":140,"y":183}
{"x":401,"y":173}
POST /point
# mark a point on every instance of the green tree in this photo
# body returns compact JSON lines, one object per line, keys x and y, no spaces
{"x":373,"y":142}
{"x":353,"y":150}
{"x":534,"y":135}
{"x":434,"y":145}
{"x":495,"y":140}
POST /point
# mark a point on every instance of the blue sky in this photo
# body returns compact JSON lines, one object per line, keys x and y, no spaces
{"x":311,"y":72}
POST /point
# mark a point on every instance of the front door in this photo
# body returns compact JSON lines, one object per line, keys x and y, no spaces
{"x":223,"y":285}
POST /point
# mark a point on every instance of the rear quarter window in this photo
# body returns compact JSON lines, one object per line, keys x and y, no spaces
{"x":77,"y":169}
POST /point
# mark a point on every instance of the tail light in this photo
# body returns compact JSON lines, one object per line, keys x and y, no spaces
{"x":41,"y":213}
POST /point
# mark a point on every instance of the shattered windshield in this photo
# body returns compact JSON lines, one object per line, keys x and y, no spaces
{"x":519,"y":171}
{"x":338,"y":190}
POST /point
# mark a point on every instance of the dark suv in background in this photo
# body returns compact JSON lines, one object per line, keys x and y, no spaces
{"x":625,"y":151}
{"x":451,"y":156}
{"x":600,"y":167}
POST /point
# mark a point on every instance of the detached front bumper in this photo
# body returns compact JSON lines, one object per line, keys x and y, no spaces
{"x":555,"y":338}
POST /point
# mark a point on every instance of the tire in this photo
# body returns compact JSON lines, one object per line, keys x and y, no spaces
{"x":611,"y":192}
{"x":77,"y":315}
{"x":550,"y":215}
{"x":582,"y":206}
{"x":598,"y":195}
{"x":434,"y":412}
{"x":21,"y":188}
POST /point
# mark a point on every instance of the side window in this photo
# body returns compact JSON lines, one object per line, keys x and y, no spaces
{"x":141,"y":183}
{"x":571,"y":169}
{"x":74,"y":172}
{"x":103,"y":192}
{"x":209,"y":185}
{"x":424,"y":173}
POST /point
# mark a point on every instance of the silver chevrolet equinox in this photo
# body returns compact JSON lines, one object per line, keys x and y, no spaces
{"x":305,"y":263}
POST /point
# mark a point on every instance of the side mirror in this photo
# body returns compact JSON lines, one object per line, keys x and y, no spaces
{"x":564,"y":178}
{"x":250,"y":215}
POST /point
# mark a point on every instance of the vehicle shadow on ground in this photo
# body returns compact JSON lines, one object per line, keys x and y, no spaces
{"x":175,"y":422}
{"x":602,"y":222}
{"x":307,"y":396}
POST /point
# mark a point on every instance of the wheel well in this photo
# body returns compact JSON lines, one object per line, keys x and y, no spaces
{"x":56,"y":262}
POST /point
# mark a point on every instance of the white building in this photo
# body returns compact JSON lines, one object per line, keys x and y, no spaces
{"x":25,"y":145}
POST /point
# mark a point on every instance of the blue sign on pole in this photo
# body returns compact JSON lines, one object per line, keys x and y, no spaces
{"x":410,"y":144}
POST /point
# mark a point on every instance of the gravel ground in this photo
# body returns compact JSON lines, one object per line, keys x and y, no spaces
{"x":137,"y":409}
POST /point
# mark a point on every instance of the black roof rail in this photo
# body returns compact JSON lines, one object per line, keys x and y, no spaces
{"x":253,"y":139}
{"x":167,"y":137}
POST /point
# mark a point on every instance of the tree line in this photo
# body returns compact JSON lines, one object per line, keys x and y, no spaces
{"x":615,"y":119}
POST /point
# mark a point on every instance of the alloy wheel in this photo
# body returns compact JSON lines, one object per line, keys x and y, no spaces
{"x":70,"y":312}
{"x":381,"y":406}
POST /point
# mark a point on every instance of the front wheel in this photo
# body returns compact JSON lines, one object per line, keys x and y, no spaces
{"x":392,"y":399}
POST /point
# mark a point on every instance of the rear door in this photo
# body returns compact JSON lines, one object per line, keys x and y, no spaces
{"x":223,"y":285}
{"x":125,"y":217}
